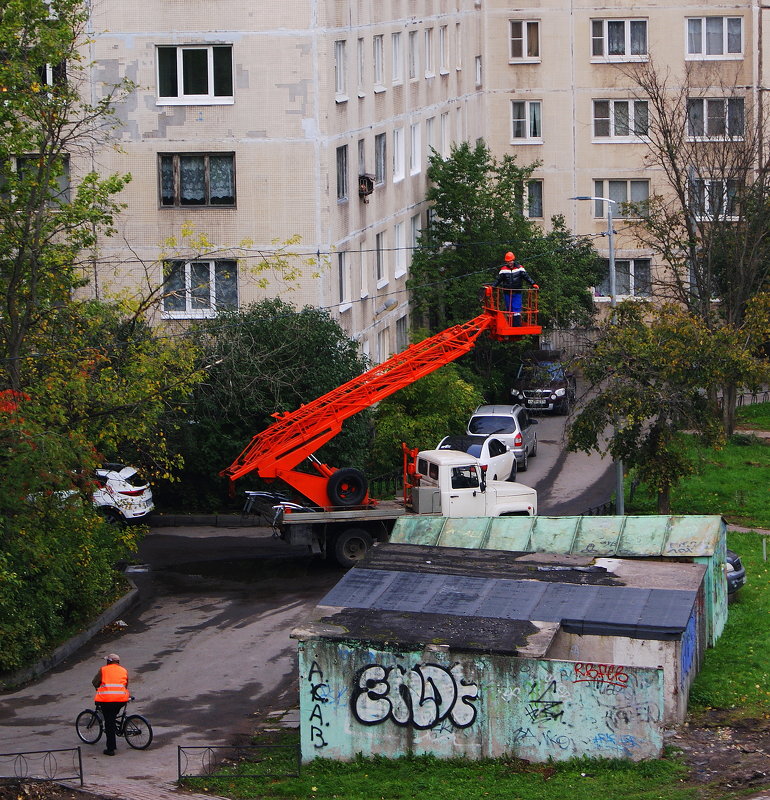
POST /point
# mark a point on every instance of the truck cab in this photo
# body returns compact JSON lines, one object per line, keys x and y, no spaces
{"x":453,"y":484}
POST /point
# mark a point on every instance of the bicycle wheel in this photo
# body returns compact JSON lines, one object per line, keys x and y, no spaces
{"x":138,"y":732}
{"x":89,"y":726}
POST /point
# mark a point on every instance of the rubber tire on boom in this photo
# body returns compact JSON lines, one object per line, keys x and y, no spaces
{"x":347,"y":487}
{"x":351,"y":545}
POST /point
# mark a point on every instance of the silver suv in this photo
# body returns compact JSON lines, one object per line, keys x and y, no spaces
{"x":512,"y":425}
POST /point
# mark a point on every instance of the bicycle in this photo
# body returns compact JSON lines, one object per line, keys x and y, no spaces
{"x":134,"y":728}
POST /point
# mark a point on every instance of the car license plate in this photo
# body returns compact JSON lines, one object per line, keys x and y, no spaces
{"x":538,"y":402}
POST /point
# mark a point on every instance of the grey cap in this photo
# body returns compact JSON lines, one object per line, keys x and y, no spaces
{"x":112,"y":657}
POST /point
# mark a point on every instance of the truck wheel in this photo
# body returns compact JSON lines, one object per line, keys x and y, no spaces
{"x":351,"y":546}
{"x":347,"y":487}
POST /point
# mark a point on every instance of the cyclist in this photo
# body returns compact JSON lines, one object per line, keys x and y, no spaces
{"x":111,"y":684}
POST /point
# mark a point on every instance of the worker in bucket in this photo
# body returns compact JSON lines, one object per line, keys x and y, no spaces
{"x":511,"y":280}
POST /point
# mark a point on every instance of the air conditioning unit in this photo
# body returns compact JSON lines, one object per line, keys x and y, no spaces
{"x":365,"y":186}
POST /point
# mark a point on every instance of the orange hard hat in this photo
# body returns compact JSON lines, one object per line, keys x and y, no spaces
{"x":509,"y":256}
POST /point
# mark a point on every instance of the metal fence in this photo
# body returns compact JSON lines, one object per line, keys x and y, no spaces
{"x":572,"y":342}
{"x":43,"y":765}
{"x":239,"y":761}
{"x":751,"y":398}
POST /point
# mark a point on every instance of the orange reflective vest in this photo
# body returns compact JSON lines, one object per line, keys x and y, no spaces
{"x":114,"y":685}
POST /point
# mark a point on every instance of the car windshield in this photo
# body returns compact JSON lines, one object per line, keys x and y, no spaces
{"x":543,"y":371}
{"x":489,"y":425}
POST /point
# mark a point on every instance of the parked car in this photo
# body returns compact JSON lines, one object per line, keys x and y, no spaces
{"x":736,"y":572}
{"x":544,"y":383}
{"x":512,"y":425}
{"x":121,"y":494}
{"x":493,"y":454}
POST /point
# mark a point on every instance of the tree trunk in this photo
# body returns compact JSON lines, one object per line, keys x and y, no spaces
{"x":729,"y":403}
{"x":664,"y":500}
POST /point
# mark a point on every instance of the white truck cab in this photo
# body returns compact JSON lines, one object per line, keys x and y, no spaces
{"x":453,"y":484}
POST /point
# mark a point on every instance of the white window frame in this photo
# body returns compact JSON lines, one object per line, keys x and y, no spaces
{"x":380,"y":261}
{"x":413,"y":55}
{"x":414,"y":234}
{"x":361,"y":66}
{"x":363,"y":270}
{"x":634,"y":265}
{"x":383,"y":345}
{"x":636,"y":112}
{"x":340,"y":71}
{"x":378,"y":56}
{"x":478,"y":71}
{"x":708,"y":105}
{"x":343,"y":281}
{"x":444,"y":148}
{"x":533,"y":117}
{"x":415,"y":148}
{"x":430,"y":70}
{"x":443,"y":57}
{"x":605,"y":57}
{"x":399,"y":238}
{"x":708,"y":213}
{"x":341,"y":162}
{"x":528,"y":190}
{"x":530,"y":29}
{"x":402,"y":333}
{"x":397,"y":59}
{"x":701,"y":54}
{"x":430,"y":136}
{"x":380,"y":159}
{"x":398,"y":154}
{"x":458,"y":46}
{"x":181,"y":99}
{"x":190,"y":312}
{"x":608,"y":187}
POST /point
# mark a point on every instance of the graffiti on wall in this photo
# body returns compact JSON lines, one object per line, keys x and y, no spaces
{"x":319,"y":697}
{"x":601,"y":673}
{"x":421,"y":697}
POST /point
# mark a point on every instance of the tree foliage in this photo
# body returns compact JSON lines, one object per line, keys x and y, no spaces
{"x":421,"y":415}
{"x":266,"y":358}
{"x":477,"y":204}
{"x":648,"y":377}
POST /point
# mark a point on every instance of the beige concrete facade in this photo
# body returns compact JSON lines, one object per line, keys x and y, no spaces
{"x":322,"y":92}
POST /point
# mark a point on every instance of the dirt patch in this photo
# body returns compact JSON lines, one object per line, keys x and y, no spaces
{"x":41,"y":790}
{"x":725,"y":754}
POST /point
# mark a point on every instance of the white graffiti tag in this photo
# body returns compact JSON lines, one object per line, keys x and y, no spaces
{"x":421,"y":697}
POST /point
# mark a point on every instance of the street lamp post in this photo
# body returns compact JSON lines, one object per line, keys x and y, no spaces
{"x":620,"y":505}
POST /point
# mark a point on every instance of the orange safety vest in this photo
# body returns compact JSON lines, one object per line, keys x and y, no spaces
{"x":114,"y":685}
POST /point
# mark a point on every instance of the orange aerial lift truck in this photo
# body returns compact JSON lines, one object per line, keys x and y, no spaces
{"x":332,"y":494}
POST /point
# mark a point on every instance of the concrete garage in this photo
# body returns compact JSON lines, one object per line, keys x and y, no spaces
{"x":479,"y":652}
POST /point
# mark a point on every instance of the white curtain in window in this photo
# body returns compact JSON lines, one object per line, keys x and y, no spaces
{"x":221,"y":185}
{"x":192,"y":180}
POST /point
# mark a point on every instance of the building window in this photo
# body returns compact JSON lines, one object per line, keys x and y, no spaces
{"x":478,"y":70}
{"x":619,"y":39}
{"x":620,"y":119}
{"x":526,"y":120}
{"x":364,"y":275}
{"x":398,"y":154}
{"x":525,"y":40}
{"x":444,"y":134}
{"x":623,"y":192}
{"x":429,"y":69}
{"x":714,"y":37}
{"x":378,"y":62}
{"x":458,"y":46}
{"x":414,"y":225}
{"x":343,"y":281}
{"x":443,"y":58}
{"x":47,"y":179}
{"x":198,"y":289}
{"x":379,"y":158}
{"x":361,"y":62}
{"x":53,"y":74}
{"x":362,"y":156}
{"x":397,"y":59}
{"x":530,"y":199}
{"x":715,"y":118}
{"x":415,"y":149}
{"x":632,"y":278}
{"x":413,"y":55}
{"x":399,"y":234}
{"x":402,"y":334}
{"x":197,"y":179}
{"x":383,"y":345}
{"x":342,"y":172}
{"x":713,"y":199}
{"x":379,"y":259}
{"x":340,"y":86}
{"x":195,"y":74}
{"x":430,"y":134}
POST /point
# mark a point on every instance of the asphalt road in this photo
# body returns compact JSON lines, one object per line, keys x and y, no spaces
{"x":208,"y":646}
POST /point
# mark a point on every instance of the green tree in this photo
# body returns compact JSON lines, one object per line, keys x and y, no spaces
{"x":647,"y":378}
{"x":266,"y":358}
{"x":420,"y":416}
{"x":477,"y":204}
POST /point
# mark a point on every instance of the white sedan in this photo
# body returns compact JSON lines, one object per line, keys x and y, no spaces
{"x":497,"y":457}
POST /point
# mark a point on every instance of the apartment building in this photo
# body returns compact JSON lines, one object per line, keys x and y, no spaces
{"x":307,"y":121}
{"x":311,"y":121}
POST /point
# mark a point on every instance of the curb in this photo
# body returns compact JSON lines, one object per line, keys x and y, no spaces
{"x":13,"y":679}
{"x":214,"y":520}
